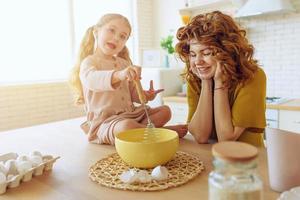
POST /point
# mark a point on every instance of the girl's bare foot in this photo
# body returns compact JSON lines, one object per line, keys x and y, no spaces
{"x":181,"y":129}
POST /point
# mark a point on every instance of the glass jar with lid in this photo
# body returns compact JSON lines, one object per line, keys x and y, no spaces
{"x":235,"y":172}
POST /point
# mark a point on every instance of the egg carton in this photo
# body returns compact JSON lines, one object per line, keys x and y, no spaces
{"x":15,"y":180}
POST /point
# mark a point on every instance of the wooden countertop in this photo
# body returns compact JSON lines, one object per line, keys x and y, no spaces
{"x":293,"y":104}
{"x":69,"y":178}
{"x":175,"y":99}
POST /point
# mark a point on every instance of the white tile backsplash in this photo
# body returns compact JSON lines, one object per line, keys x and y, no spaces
{"x":277,"y":48}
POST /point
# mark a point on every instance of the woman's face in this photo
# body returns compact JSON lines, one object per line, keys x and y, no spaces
{"x":202,"y":62}
{"x":112,"y":36}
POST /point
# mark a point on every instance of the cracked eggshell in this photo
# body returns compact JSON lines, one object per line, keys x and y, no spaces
{"x":129,"y":176}
{"x":144,"y":176}
{"x":160,"y":173}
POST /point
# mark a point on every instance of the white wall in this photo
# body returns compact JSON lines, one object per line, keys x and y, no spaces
{"x":143,"y":26}
{"x":277,"y":42}
{"x":276,"y":39}
{"x":157,"y":19}
{"x":166,"y":18}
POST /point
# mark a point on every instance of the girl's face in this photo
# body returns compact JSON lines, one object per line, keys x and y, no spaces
{"x":112,"y":36}
{"x":202,"y":62}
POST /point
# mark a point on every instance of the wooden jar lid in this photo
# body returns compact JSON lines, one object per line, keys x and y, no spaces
{"x":234,"y":151}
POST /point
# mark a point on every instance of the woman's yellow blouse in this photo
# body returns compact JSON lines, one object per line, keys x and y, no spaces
{"x":247,"y":103}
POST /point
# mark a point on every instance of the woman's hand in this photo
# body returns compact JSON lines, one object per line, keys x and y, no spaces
{"x":130,"y":73}
{"x":151,"y":93}
{"x":219,"y":77}
{"x":219,"y":72}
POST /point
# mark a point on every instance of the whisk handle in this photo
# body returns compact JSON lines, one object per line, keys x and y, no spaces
{"x":140,"y":91}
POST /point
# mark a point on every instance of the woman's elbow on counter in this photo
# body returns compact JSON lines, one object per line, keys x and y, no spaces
{"x":201,"y":140}
{"x":199,"y":136}
{"x":226,"y":137}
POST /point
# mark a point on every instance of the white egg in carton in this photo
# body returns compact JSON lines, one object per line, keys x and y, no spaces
{"x":15,"y":168}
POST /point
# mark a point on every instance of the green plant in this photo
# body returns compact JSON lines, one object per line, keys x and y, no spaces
{"x":167,"y":44}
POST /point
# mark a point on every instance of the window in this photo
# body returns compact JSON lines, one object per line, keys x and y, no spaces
{"x":39,"y":38}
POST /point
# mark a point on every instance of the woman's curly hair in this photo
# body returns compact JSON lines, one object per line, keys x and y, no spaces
{"x":227,"y":41}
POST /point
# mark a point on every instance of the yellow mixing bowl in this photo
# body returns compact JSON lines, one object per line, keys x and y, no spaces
{"x":158,"y":148}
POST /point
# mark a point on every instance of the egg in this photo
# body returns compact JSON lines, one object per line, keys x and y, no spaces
{"x":24,"y":166}
{"x":11,"y":166}
{"x":2,"y":178}
{"x":36,"y":160}
{"x":132,"y":176}
{"x":160,"y":173}
{"x":144,"y":176}
{"x":36,"y":153}
{"x":3,"y":168}
{"x":129,"y":176}
{"x":22,"y":158}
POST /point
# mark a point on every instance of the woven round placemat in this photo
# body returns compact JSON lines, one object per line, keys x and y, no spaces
{"x":182,"y":168}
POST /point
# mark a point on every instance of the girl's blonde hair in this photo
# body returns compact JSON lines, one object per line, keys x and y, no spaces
{"x":87,"y":48}
{"x":228,"y":42}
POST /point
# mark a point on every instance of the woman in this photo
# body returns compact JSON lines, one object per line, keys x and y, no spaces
{"x":226,"y":88}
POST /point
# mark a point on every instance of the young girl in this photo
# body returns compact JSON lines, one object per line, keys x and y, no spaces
{"x":226,"y":88}
{"x":103,"y":79}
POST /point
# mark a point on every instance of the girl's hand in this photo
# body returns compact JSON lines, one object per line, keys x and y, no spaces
{"x":130,"y":73}
{"x":151,"y":93}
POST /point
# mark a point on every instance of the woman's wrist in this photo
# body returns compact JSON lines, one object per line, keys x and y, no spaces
{"x":219,"y":84}
{"x":207,"y":83}
{"x":221,"y":87}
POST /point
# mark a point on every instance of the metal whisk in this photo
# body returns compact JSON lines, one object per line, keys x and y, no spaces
{"x":150,"y":126}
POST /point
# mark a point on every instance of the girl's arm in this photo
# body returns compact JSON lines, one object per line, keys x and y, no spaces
{"x":200,"y":125}
{"x":130,"y":74}
{"x":93,"y":79}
